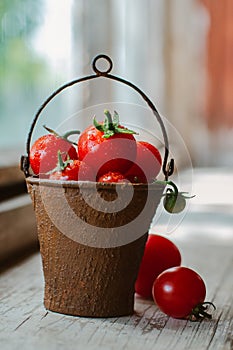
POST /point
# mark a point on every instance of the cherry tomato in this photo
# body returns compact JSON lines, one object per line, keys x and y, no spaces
{"x":178,"y":291}
{"x":43,"y":154}
{"x":174,"y":203}
{"x":112,"y":177}
{"x":108,"y":146}
{"x":147,"y":165}
{"x":160,"y":254}
{"x":74,"y":170}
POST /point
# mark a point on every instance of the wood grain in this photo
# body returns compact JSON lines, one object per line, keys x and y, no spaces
{"x":25,"y":323}
{"x":17,"y":227}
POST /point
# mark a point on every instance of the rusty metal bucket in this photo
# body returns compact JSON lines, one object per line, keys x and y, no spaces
{"x":91,"y":259}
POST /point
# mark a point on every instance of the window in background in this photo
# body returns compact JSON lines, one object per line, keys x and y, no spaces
{"x":161,"y":46}
{"x":34,"y":60}
{"x":158,"y":46}
{"x":180,"y":52}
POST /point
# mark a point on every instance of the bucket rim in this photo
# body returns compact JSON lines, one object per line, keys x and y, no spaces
{"x":91,"y":184}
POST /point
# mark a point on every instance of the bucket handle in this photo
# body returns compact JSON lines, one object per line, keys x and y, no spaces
{"x":168,"y":167}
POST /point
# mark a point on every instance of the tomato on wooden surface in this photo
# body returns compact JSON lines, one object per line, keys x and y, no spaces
{"x":180,"y":293}
{"x":147,"y":164}
{"x":159,"y":254}
{"x":107,"y":146}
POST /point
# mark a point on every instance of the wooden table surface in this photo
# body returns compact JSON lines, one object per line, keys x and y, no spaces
{"x":205,"y":239}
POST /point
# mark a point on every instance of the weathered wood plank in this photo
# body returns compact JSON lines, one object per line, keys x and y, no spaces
{"x":24,"y":322}
{"x":17,"y":227}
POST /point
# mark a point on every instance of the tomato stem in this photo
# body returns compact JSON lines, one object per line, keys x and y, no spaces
{"x":199,"y":311}
{"x":61,"y":165}
{"x":51,"y":131}
{"x":65,"y":135}
{"x":108,"y":123}
{"x":176,"y":191}
{"x":111,"y":126}
{"x":171,"y":183}
{"x":69,"y":133}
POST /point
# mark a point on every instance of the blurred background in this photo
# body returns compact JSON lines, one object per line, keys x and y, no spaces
{"x":179,"y":52}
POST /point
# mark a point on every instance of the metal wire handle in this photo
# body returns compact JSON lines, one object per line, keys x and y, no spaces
{"x":168,"y":167}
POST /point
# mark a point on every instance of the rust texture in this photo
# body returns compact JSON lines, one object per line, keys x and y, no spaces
{"x":81,"y":279}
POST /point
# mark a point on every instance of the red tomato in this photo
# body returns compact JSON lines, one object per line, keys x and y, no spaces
{"x":160,"y":254}
{"x":112,"y":177}
{"x":178,"y":290}
{"x":43,"y":154}
{"x":147,"y":165}
{"x":74,"y":170}
{"x":110,"y":148}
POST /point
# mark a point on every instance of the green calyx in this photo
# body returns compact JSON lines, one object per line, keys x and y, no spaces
{"x":61,"y":165}
{"x":174,"y":201}
{"x":64,"y":136}
{"x":111,"y":126}
{"x":199,"y":311}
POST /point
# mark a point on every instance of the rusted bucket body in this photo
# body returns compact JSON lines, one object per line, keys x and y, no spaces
{"x":92,"y":239}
